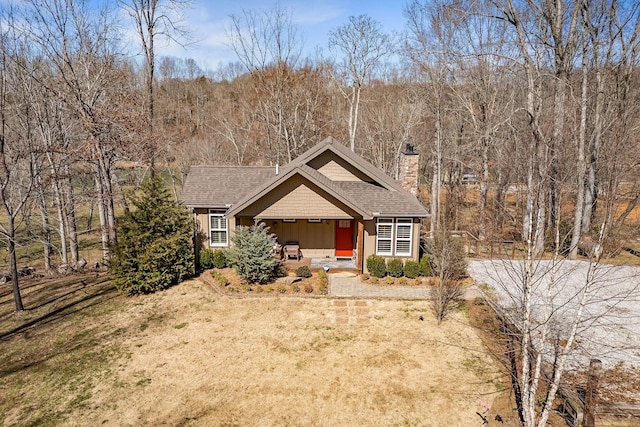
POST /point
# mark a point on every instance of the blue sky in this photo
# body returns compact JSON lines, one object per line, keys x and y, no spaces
{"x":207,"y":20}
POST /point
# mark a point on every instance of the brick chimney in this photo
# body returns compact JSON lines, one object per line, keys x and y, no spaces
{"x":409,"y":168}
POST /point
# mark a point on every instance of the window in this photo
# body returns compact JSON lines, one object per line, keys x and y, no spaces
{"x":218,"y":231}
{"x":394,"y":236}
{"x":384,"y":236}
{"x":403,"y":237}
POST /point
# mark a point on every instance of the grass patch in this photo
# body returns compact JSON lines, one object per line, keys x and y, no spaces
{"x":55,"y":358}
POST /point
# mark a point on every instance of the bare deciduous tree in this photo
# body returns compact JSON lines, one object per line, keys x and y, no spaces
{"x":89,"y":80}
{"x":268,"y":45}
{"x":359,"y":45}
{"x":154,"y":19}
{"x":19,"y":159}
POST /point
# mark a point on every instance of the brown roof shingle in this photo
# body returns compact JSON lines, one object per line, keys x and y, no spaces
{"x":235,"y":187}
{"x":220,"y":186}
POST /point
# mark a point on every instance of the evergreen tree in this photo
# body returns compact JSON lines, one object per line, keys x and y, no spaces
{"x":154,"y":242}
{"x":252,"y":254}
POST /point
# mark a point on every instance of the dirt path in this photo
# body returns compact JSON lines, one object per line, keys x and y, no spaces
{"x":188,"y":356}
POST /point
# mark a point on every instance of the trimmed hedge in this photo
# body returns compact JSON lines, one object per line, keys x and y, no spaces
{"x":303,"y":271}
{"x":395,"y":268}
{"x":210,"y":258}
{"x":411,"y":269}
{"x":376,"y":266}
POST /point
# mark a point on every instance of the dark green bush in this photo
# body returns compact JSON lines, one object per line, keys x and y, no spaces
{"x":425,"y":266}
{"x":210,"y":258}
{"x":411,"y":269}
{"x":206,"y":258}
{"x":303,"y":271}
{"x":153,"y":249}
{"x":219,"y":259}
{"x":376,"y":266}
{"x":395,"y":268}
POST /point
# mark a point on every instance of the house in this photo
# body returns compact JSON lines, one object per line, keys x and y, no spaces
{"x":328,"y":202}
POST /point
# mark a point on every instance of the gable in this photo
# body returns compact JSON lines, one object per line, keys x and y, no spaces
{"x":336,"y":168}
{"x":328,"y":181}
{"x":297,"y":197}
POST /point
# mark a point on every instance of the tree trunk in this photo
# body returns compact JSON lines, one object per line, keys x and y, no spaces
{"x":581,"y":164}
{"x":70,"y":215}
{"x":102,"y":213}
{"x":46,"y":226}
{"x":484,"y":189}
{"x":591,"y":193}
{"x":11,"y":235}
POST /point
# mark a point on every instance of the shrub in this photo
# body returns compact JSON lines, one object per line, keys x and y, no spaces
{"x":308,"y":288}
{"x":364,"y":276}
{"x":323,"y":289}
{"x":403,"y":281}
{"x":210,"y":258}
{"x":303,"y":271}
{"x":376,"y":266}
{"x":295,"y":287}
{"x":324,"y":280}
{"x":395,"y":267}
{"x":449,"y":257}
{"x":252,"y":254}
{"x":411,"y":269}
{"x":153,"y":249}
{"x":425,"y":266}
{"x":219,"y":259}
{"x":374,"y":280}
{"x":206,"y":258}
{"x":282,"y":288}
{"x":444,"y":298}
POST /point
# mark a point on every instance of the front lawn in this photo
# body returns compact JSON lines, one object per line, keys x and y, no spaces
{"x":190,"y":356}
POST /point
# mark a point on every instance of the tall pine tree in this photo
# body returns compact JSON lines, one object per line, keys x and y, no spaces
{"x":154,"y":242}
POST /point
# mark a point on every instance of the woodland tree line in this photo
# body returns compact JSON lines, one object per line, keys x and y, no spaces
{"x":536,"y":101}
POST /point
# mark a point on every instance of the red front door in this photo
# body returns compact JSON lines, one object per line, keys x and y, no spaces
{"x":344,"y":238}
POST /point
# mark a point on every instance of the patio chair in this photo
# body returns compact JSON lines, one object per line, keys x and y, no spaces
{"x":292,"y":250}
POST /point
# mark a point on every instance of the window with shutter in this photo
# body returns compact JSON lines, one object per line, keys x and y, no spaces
{"x":218,"y":231}
{"x":403,"y":237}
{"x":384,"y":236}
{"x":394,"y":236}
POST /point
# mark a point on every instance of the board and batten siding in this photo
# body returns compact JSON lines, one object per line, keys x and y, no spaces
{"x":316,"y":239}
{"x":336,"y":169}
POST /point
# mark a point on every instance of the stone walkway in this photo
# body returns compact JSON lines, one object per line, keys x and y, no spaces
{"x":348,"y":285}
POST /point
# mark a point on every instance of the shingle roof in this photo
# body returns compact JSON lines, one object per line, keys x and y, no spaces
{"x":220,"y":186}
{"x":380,"y":201}
{"x":240,"y":186}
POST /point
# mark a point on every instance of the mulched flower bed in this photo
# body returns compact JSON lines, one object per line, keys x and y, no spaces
{"x":229,"y":283}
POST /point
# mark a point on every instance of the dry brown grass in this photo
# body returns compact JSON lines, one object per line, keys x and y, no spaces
{"x":189,"y":356}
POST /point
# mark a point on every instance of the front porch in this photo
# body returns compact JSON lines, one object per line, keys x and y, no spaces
{"x":338,"y":243}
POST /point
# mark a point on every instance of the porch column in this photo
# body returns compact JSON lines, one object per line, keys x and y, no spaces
{"x":360,"y":245}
